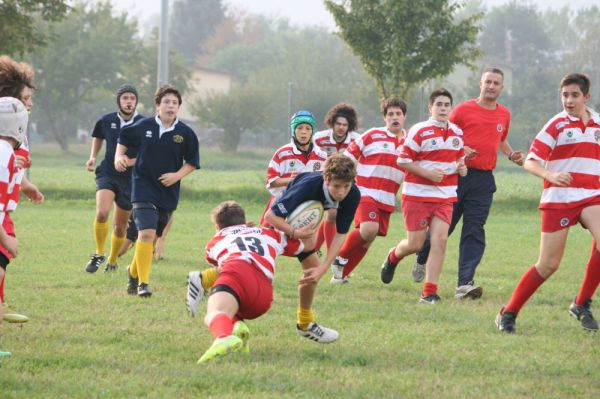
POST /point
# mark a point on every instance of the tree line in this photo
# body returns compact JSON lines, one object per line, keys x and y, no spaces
{"x":82,"y":52}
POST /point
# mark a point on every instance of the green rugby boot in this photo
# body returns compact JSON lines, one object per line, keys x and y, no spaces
{"x":241,"y":330}
{"x":221,"y":347}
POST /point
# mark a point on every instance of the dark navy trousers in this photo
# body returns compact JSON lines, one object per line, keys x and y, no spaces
{"x":475,"y":193}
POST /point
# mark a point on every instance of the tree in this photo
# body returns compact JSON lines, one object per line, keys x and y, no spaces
{"x":317,"y":64}
{"x":402,"y":43}
{"x":192,"y":23}
{"x":234,"y":113}
{"x":94,"y":51}
{"x":19,"y":30}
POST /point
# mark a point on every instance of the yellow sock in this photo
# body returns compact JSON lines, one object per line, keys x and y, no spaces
{"x":133,"y":270}
{"x":143,"y":258}
{"x":209,"y":276}
{"x":100,"y":233}
{"x":116,"y":243}
{"x":305,"y":317}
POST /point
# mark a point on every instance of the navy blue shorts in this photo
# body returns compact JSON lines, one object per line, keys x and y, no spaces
{"x":4,"y":261}
{"x":121,"y":186}
{"x":147,"y":216}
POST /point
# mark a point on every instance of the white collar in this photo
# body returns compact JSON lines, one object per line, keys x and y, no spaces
{"x":329,"y":202}
{"x":124,"y":122}
{"x":161,"y":129}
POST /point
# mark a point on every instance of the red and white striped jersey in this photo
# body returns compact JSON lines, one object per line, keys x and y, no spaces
{"x":7,"y":172}
{"x":289,"y":160}
{"x":432,"y":145}
{"x":256,"y":245}
{"x":326,"y":141}
{"x":18,"y":178}
{"x":378,"y":175}
{"x":566,"y":145}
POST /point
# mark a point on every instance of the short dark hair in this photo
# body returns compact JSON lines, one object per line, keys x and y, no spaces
{"x":339,"y":167}
{"x":14,"y":77}
{"x":440,"y":92}
{"x":228,"y":213}
{"x":163,"y":91}
{"x":493,"y":70}
{"x":391,"y":102}
{"x":344,"y":110}
{"x":579,"y":79}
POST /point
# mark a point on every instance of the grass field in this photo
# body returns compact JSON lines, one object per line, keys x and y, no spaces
{"x":88,"y":339}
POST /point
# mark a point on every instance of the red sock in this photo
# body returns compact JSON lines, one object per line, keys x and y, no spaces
{"x":529,"y":283}
{"x":429,"y":289}
{"x":2,"y":290}
{"x":591,"y":279}
{"x":320,"y":235}
{"x":353,"y":250}
{"x":393,"y":258}
{"x":329,"y":230}
{"x":221,"y":326}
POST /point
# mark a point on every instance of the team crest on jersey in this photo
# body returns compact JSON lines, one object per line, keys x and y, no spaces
{"x":178,"y":139}
{"x":423,"y":222}
{"x":499,"y":128}
{"x":292,"y":163}
{"x":113,"y":125}
{"x":317,"y":166}
{"x":564,"y":222}
{"x":433,"y":142}
{"x":148,"y":133}
{"x":372,"y":215}
{"x":569,"y":134}
{"x":597,"y":135}
{"x":455,"y":142}
{"x":385,"y":145}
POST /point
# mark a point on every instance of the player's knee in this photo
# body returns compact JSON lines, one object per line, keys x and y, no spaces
{"x":547,"y":267}
{"x":146,"y":235}
{"x":120,"y":230}
{"x":102,"y":215}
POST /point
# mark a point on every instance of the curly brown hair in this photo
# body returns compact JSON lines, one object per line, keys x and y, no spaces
{"x":344,"y":110}
{"x":14,"y":77}
{"x":228,"y":213}
{"x":339,"y":167}
{"x":163,"y":91}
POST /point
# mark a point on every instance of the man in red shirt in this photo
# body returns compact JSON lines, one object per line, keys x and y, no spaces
{"x":485,"y":123}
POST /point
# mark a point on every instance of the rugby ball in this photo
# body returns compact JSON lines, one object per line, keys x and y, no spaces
{"x":308,"y":213}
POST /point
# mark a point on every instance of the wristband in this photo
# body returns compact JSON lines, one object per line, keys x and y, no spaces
{"x":293,"y":233}
{"x":510,"y":155}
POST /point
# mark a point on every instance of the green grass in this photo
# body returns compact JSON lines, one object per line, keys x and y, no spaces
{"x":88,"y":338}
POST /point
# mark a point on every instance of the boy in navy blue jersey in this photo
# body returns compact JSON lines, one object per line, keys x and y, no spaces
{"x":165,"y":151}
{"x":335,"y":189}
{"x":111,"y":185}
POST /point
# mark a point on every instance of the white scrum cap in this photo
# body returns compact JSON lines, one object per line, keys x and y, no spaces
{"x":13,"y":118}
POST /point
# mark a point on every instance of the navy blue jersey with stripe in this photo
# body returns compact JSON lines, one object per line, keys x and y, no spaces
{"x":311,"y":186}
{"x":108,"y":128}
{"x":157,"y":155}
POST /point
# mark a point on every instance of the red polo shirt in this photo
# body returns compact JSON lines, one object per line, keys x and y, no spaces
{"x":483,"y":130}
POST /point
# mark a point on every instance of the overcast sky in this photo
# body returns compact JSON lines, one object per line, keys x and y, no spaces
{"x":306,"y":12}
